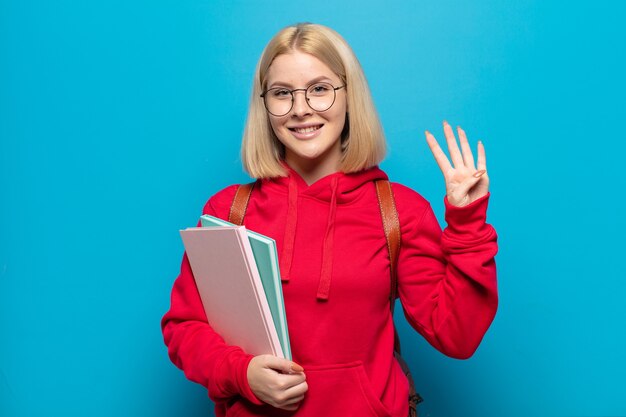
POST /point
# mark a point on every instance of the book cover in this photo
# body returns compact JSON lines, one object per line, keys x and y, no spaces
{"x":266,"y":257}
{"x":230,"y":287}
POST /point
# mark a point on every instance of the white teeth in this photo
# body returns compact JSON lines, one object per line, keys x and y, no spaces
{"x":307,"y":129}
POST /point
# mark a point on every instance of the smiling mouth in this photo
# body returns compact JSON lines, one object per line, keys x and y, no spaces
{"x":308,"y":129}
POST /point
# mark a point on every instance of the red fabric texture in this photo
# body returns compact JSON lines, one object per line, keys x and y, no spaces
{"x":336,"y":287}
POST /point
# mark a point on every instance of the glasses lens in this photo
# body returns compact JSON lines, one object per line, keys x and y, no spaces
{"x":278,"y":101}
{"x":320,"y":96}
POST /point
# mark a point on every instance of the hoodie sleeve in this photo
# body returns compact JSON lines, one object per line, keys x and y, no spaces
{"x":447,"y":280}
{"x":193,"y":346}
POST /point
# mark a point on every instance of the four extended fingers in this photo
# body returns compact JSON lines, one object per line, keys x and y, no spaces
{"x":462,"y":157}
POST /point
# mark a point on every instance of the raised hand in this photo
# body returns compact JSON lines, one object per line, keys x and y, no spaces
{"x":277,"y":382}
{"x":465,"y":182}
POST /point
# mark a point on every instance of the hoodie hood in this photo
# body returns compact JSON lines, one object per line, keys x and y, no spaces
{"x":335,"y":189}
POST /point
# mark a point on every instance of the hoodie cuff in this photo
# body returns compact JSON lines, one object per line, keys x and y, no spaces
{"x":468,"y":222}
{"x":231,"y":378}
{"x":242,"y":381}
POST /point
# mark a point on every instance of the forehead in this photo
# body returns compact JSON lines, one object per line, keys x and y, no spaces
{"x":296,"y":68}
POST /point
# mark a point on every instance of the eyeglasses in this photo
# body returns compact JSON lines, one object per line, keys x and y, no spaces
{"x":319,"y":96}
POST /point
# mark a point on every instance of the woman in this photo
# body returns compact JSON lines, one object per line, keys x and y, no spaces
{"x":313,"y":139}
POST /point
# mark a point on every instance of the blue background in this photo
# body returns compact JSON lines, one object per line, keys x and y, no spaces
{"x":118,"y":119}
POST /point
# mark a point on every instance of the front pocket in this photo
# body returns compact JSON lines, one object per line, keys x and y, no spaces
{"x":244,"y":408}
{"x":340,"y":390}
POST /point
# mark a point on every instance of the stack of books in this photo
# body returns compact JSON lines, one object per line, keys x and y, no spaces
{"x":238,"y":278}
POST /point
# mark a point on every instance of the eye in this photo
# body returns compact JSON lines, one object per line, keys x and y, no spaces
{"x":319,"y":89}
{"x":280,"y":93}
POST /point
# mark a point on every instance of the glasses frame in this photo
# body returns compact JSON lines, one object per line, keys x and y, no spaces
{"x":306,"y":97}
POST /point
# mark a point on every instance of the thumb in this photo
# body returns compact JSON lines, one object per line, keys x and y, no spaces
{"x":462,"y":190}
{"x":284,"y":365}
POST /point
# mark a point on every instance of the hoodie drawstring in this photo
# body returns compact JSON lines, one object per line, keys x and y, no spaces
{"x":290,"y":230}
{"x":327,"y":251}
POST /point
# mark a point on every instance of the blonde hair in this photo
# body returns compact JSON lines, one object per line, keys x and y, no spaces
{"x":363,"y":141}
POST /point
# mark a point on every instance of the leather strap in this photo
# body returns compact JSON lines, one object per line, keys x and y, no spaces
{"x":391,"y":225}
{"x":240,"y":203}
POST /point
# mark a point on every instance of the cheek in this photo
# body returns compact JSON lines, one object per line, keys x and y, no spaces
{"x":277,"y":125}
{"x":339,"y":111}
{"x":338,"y":117}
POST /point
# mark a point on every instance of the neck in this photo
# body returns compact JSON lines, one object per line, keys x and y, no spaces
{"x":313,"y":170}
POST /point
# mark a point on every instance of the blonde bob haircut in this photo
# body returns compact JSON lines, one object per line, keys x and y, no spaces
{"x":362,"y":139}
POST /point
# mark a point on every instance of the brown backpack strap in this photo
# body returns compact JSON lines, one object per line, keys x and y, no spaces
{"x":391,"y":225}
{"x":240,"y":203}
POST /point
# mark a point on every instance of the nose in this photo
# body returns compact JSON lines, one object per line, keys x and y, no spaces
{"x":300,"y":106}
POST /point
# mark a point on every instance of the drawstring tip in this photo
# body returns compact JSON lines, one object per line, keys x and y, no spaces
{"x":322,"y":297}
{"x":323,"y":291}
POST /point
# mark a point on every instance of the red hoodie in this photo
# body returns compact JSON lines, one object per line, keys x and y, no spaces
{"x":335,"y":268}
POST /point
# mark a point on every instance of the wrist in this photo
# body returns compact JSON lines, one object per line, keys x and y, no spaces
{"x":466,"y":221}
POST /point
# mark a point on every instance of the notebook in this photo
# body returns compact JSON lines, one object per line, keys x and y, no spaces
{"x":230,"y":287}
{"x":266,"y":257}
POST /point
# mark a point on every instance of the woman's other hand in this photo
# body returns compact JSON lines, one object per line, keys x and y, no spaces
{"x":278,"y":382}
{"x":465,"y":182}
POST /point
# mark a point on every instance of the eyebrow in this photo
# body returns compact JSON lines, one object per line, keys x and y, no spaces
{"x":313,"y":81}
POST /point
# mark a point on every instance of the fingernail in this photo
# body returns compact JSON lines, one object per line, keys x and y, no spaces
{"x":445,"y":122}
{"x":479,"y":173}
{"x":296,"y":368}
